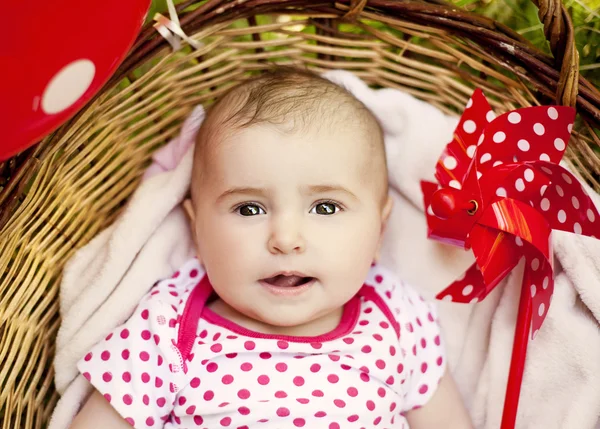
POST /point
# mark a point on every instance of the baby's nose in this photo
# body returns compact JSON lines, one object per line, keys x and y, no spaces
{"x":286,"y":237}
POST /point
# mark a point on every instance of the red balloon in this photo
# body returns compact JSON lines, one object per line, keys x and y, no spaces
{"x":55,"y":55}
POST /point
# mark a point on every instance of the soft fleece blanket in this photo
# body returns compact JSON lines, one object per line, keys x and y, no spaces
{"x":104,"y":280}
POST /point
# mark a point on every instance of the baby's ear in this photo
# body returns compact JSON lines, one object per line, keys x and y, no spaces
{"x":385,"y":215}
{"x":386,"y":211}
{"x":190,"y":213}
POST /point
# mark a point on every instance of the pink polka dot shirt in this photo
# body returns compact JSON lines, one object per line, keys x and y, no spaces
{"x":177,"y":364}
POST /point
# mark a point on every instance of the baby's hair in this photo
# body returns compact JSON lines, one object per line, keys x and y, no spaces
{"x":290,"y":99}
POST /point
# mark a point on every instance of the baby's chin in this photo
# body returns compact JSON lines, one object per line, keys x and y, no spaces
{"x":302,"y":322}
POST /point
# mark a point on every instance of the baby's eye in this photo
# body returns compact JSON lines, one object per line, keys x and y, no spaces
{"x":325,"y":208}
{"x":249,"y":210}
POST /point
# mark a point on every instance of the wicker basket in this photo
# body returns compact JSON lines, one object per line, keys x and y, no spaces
{"x":59,"y":194}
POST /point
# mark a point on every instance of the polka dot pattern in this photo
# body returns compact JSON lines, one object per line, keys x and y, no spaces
{"x":368,"y":374}
{"x":137,"y":366}
{"x":522,"y":135}
{"x":455,"y":160}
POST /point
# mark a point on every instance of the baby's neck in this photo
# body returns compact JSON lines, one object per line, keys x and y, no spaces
{"x":319,"y":326}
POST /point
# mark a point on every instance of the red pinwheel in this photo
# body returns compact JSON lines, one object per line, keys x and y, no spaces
{"x":501,"y":192}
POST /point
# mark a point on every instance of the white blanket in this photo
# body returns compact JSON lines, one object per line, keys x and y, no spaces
{"x":105,"y":279}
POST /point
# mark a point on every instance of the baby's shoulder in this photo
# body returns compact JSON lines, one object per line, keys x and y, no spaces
{"x":170,"y":295}
{"x":403,"y":299}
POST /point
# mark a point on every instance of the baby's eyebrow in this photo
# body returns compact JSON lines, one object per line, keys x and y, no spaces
{"x":310,"y":190}
{"x":323,"y":189}
{"x":244,"y":190}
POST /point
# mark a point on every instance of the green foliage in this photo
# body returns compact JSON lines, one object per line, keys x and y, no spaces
{"x":522,"y":15}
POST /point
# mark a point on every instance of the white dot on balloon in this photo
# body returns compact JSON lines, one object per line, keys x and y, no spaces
{"x":514,"y":118}
{"x":545,"y":204}
{"x":541,"y":309}
{"x":455,"y":184}
{"x":518,"y":241}
{"x":545,"y":283}
{"x":501,"y":192}
{"x":559,"y":191}
{"x":471,"y":151}
{"x":591,"y":216}
{"x":559,"y":144}
{"x":543,"y":189}
{"x":544,"y":157}
{"x":570,"y":128}
{"x":485,"y":158}
{"x":450,"y":162}
{"x":447,"y":298}
{"x":469,"y":126}
{"x":520,"y":185}
{"x":490,"y":116}
{"x":577,"y":228}
{"x":552,"y":113}
{"x":535,"y":264}
{"x":499,"y":137}
{"x":469,"y":103}
{"x":533,"y":290}
{"x":67,"y":86}
{"x":575,"y":202}
{"x":567,"y":178}
{"x":467,"y":290}
{"x":523,"y":145}
{"x":562,"y":216}
{"x":529,"y":175}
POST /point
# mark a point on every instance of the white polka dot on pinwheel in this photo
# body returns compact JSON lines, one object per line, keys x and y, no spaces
{"x":519,"y":241}
{"x":533,"y":290}
{"x":575,"y":202}
{"x":501,"y":192}
{"x":590,"y":215}
{"x":545,"y":204}
{"x":529,"y":175}
{"x":450,"y":162}
{"x":520,"y":185}
{"x":552,"y":113}
{"x":455,"y":184}
{"x":535,"y":264}
{"x":499,"y":137}
{"x":545,"y":283}
{"x":544,"y":157}
{"x":469,"y":126}
{"x":577,"y":228}
{"x":471,"y":151}
{"x":560,"y":191}
{"x":539,"y":129}
{"x":490,"y":116}
{"x":514,"y":117}
{"x":523,"y":145}
{"x":541,"y":309}
{"x":485,"y":158}
{"x":559,"y":144}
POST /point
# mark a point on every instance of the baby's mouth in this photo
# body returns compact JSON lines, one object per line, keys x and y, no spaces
{"x":282,"y":280}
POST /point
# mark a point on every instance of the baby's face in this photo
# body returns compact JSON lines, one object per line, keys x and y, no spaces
{"x":292,"y":204}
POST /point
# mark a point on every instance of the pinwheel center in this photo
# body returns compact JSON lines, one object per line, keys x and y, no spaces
{"x":447,"y":202}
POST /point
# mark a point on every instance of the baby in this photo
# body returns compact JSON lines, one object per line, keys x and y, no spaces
{"x":284,"y":319}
